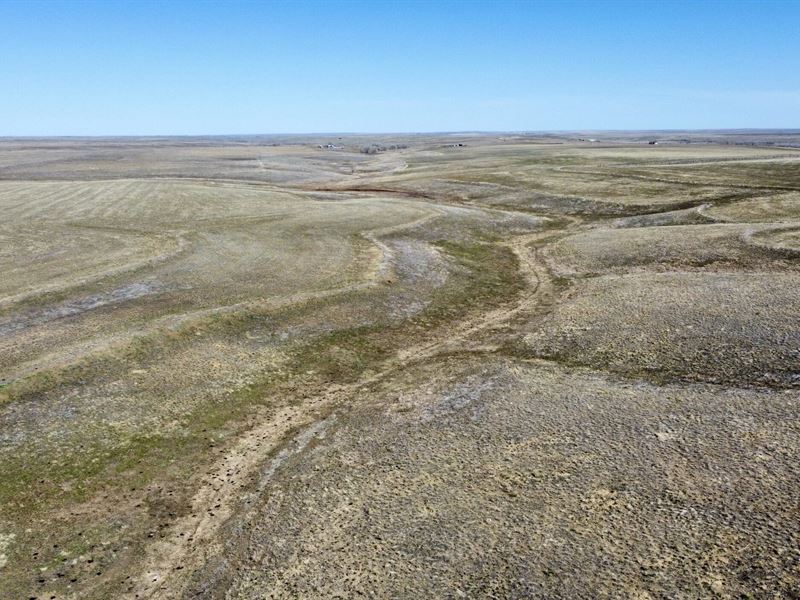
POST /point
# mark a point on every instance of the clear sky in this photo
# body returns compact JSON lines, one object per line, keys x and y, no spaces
{"x":129,"y":68}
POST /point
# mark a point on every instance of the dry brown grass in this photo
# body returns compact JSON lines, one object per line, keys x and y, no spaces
{"x":181,"y":322}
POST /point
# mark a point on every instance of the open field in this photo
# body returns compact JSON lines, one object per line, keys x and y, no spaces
{"x":473,"y":366}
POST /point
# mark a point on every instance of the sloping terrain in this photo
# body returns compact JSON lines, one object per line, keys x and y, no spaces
{"x":474,"y":366}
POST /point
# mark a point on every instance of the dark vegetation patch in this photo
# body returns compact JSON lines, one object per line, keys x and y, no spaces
{"x":486,"y":274}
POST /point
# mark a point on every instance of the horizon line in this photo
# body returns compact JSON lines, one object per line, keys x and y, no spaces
{"x":366,"y":133}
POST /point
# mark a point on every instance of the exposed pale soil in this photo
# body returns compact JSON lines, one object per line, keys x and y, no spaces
{"x":524,"y":367}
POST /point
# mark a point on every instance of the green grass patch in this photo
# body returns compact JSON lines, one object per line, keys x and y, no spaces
{"x":35,"y":481}
{"x":484,"y":275}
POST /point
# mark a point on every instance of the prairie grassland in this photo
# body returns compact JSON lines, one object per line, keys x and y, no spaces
{"x":520,"y":367}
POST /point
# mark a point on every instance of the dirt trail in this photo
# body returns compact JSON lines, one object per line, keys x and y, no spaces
{"x":170,"y":562}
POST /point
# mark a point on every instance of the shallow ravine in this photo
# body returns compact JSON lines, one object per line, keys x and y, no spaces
{"x":191,"y":525}
{"x":171,"y":563}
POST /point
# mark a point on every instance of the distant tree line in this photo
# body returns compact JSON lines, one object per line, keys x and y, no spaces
{"x":375,"y":148}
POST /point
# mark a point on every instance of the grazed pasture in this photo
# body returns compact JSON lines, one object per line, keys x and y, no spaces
{"x":526,"y":366}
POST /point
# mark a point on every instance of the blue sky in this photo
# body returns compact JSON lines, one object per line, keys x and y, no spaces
{"x":139,"y":68}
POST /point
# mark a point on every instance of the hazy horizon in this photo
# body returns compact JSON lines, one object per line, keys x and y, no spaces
{"x":466,"y":132}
